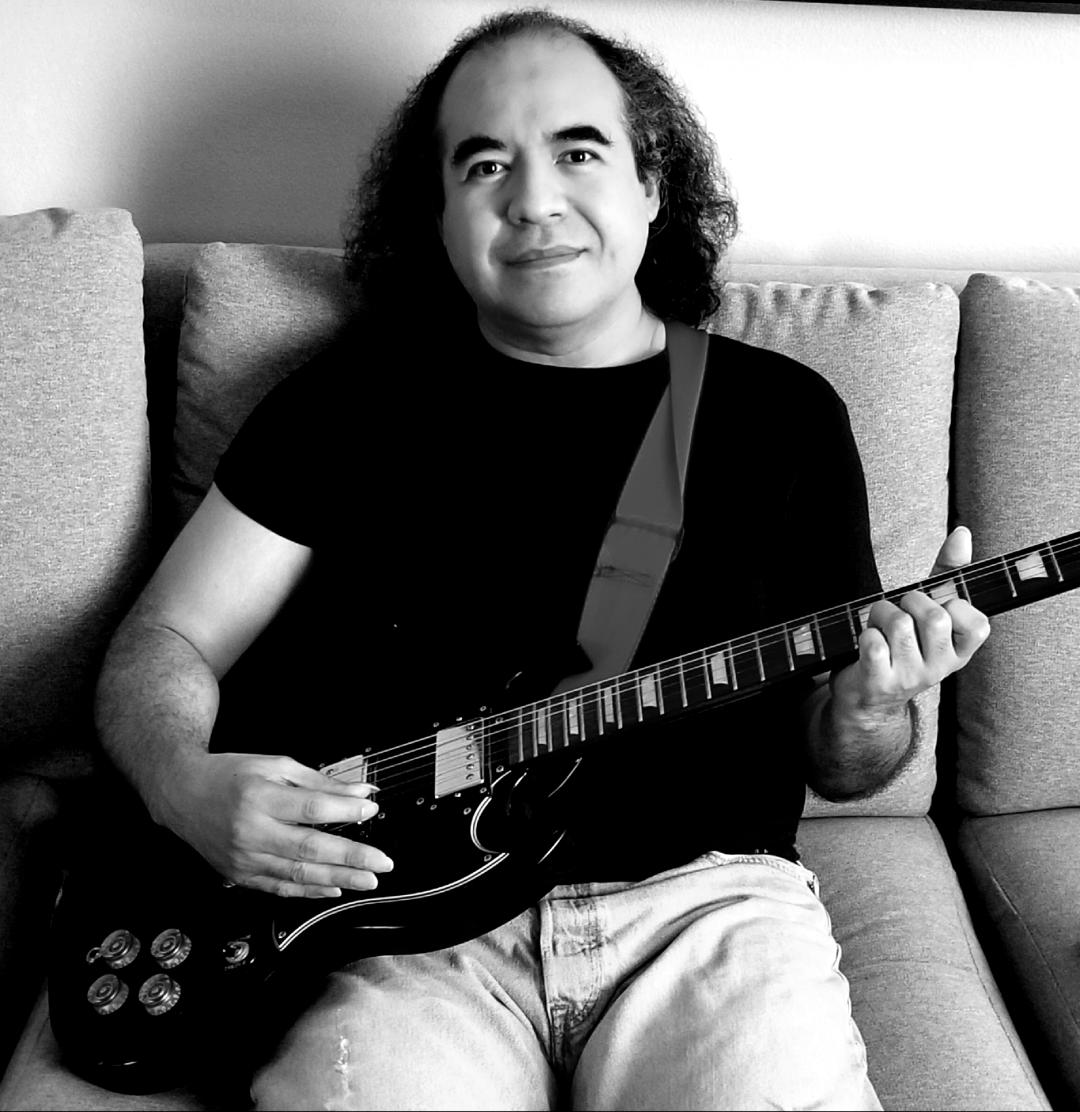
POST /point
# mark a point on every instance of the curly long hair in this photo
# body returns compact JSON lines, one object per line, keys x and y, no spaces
{"x":392,"y":245}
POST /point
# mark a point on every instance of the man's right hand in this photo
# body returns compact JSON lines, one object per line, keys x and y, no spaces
{"x":254,"y":819}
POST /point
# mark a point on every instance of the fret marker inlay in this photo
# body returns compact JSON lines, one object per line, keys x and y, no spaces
{"x":803,"y":639}
{"x":1031,"y":567}
{"x":718,"y":668}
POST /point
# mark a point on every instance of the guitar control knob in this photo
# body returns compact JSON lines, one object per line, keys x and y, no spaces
{"x":170,"y":948}
{"x":236,"y":952}
{"x":107,"y":994}
{"x":159,"y":993}
{"x":120,"y":948}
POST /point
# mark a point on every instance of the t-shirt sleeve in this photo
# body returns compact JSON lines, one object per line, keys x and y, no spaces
{"x":274,"y":471}
{"x":828,"y":510}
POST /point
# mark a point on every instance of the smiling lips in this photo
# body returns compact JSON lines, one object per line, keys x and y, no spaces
{"x":544,"y":257}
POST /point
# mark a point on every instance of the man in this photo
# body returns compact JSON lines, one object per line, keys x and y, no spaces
{"x":437,"y":496}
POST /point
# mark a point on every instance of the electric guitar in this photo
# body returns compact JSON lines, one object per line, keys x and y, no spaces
{"x":147,"y":985}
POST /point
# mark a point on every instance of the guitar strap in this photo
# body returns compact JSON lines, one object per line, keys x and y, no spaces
{"x":645,"y":532}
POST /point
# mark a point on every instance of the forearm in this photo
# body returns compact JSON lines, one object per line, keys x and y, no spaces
{"x":851,"y":750}
{"x":155,"y":707}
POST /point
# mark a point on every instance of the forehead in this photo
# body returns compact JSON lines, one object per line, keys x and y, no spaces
{"x":536,"y":82}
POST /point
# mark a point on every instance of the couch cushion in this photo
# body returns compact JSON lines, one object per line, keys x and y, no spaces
{"x":936,"y":1030}
{"x":890,"y":353}
{"x":252,"y":314}
{"x":1017,"y":477}
{"x":74,"y":495}
{"x":1024,"y":868}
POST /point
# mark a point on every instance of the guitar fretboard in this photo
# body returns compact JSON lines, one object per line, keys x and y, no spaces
{"x":478,"y":751}
{"x":718,"y":673}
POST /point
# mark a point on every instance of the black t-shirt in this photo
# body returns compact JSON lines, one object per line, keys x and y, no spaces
{"x":455,"y":501}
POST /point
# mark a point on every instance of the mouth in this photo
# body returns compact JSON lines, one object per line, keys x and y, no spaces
{"x":541,"y":258}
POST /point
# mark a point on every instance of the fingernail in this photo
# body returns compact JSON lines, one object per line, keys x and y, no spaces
{"x":367,"y":809}
{"x":382,"y":862}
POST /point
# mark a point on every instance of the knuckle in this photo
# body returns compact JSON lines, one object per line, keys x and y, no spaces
{"x":311,"y":809}
{"x":297,"y":872}
{"x":307,"y":849}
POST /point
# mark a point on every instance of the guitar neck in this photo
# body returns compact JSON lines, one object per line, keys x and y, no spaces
{"x":480,"y":750}
{"x":719,"y":673}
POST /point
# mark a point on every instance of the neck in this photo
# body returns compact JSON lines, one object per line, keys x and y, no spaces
{"x":629,"y":338}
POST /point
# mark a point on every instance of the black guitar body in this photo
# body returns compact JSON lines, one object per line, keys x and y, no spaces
{"x":171,"y":975}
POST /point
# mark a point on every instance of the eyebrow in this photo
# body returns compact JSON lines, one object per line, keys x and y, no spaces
{"x":579,"y":133}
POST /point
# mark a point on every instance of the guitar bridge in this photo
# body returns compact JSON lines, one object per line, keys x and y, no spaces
{"x":459,"y":758}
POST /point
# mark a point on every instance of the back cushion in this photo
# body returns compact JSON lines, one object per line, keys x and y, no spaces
{"x":1017,"y":483}
{"x":74,"y":494}
{"x":252,"y":314}
{"x":890,"y":354}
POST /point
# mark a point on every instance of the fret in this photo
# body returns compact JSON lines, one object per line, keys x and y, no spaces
{"x":557,"y":732}
{"x":629,"y":700}
{"x":774,"y":653}
{"x":695,"y":678}
{"x":527,"y":733}
{"x":760,"y":662}
{"x":816,"y":624}
{"x":573,"y":721}
{"x":785,"y":633}
{"x":851,"y":625}
{"x":591,"y":716}
{"x":745,"y":662}
{"x":837,"y":633}
{"x":1008,"y":576}
{"x":612,"y":711}
{"x":705,"y":673}
{"x":1054,"y":563}
{"x":682,"y":682}
{"x":543,"y":741}
{"x":962,"y":576}
{"x":672,"y":691}
{"x":803,"y":640}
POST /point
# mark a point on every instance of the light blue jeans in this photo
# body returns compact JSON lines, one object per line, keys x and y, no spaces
{"x":714,"y":985}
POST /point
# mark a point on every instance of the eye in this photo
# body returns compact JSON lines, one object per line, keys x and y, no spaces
{"x":579,"y":156}
{"x":487,"y":168}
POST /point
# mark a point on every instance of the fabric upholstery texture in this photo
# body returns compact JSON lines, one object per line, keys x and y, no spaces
{"x":1024,"y":869}
{"x":74,"y":492}
{"x":906,"y":937}
{"x":1018,"y":483}
{"x":889,"y":352}
{"x":253,"y":313}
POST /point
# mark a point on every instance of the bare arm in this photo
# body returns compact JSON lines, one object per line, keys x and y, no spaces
{"x":859,"y":725}
{"x":220,"y":584}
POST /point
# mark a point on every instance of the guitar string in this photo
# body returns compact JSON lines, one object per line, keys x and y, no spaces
{"x":396,"y":759}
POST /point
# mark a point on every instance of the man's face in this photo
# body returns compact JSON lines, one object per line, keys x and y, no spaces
{"x":545,"y":220}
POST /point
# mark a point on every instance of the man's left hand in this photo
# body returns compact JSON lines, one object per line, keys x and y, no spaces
{"x":909,"y":647}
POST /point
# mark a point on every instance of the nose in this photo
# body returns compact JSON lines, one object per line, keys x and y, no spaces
{"x":536,"y":193}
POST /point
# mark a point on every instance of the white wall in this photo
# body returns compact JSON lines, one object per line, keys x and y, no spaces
{"x":855,"y":135}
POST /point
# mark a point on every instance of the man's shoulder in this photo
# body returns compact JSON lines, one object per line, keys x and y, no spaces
{"x":743,"y":370}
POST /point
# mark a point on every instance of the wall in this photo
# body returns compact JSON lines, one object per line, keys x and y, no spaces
{"x":855,"y":135}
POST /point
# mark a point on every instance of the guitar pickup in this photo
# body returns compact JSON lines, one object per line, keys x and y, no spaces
{"x":459,"y":758}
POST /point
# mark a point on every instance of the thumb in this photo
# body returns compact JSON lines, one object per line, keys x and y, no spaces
{"x":955,"y":552}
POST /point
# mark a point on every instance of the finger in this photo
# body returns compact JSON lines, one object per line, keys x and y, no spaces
{"x":312,"y":846}
{"x":971,"y":627}
{"x":897,"y":628}
{"x":284,"y":876}
{"x":955,"y":552}
{"x":933,"y":628}
{"x":317,"y":807}
{"x":302,"y":776}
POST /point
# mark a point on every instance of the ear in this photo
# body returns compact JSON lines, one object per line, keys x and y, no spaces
{"x":651,"y":186}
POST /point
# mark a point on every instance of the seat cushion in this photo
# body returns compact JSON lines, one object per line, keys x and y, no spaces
{"x":1023,"y":867}
{"x":936,"y":1030}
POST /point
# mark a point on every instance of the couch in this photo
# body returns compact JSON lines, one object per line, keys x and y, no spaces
{"x":954,"y":891}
